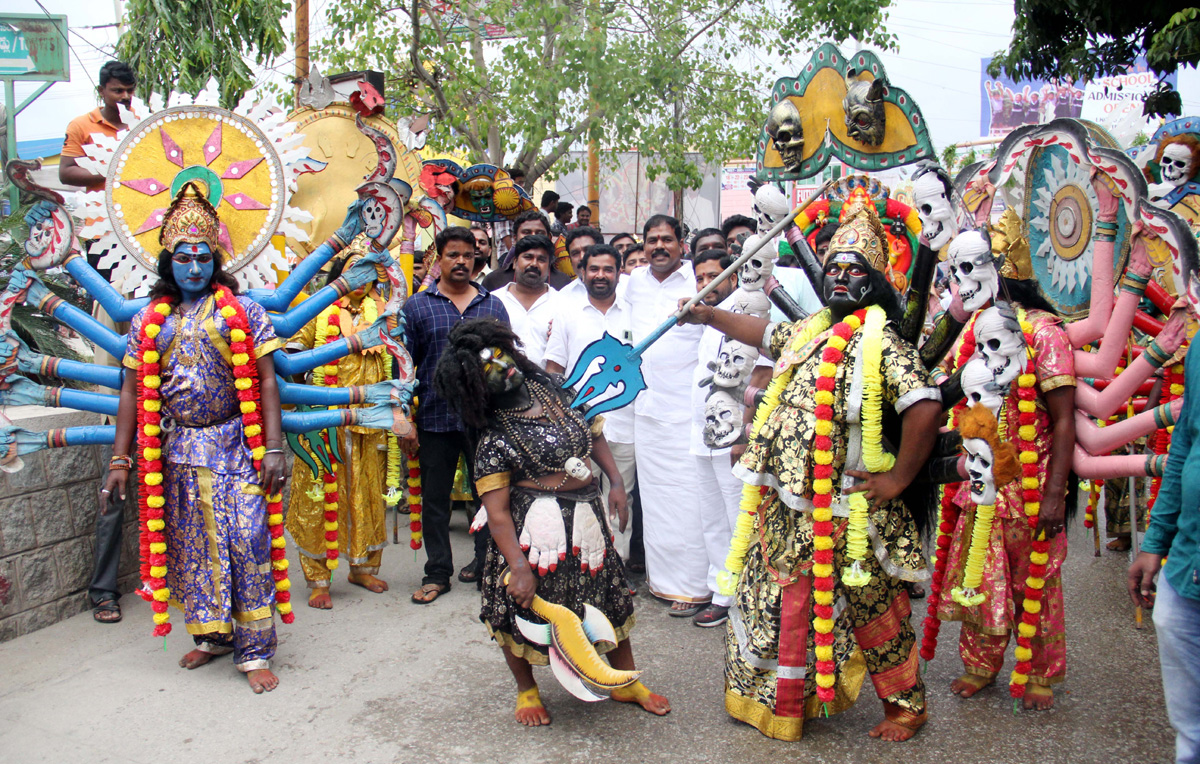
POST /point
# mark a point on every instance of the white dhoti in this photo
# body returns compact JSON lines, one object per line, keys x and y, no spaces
{"x":676,"y":558}
{"x":719,"y":494}
{"x":623,"y":456}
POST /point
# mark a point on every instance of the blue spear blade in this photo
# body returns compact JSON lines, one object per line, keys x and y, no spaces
{"x":608,"y":371}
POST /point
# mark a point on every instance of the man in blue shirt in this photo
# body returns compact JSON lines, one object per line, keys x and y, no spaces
{"x":1174,"y":532}
{"x":429,"y":316}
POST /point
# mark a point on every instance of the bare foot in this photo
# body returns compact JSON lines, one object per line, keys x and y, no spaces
{"x":898,"y":724}
{"x":1119,"y":544}
{"x":1038,"y":698}
{"x":320,"y":599}
{"x":530,"y":710}
{"x":262,"y":680}
{"x":637,"y":693}
{"x":195,"y":659}
{"x":367,"y":581}
{"x":969,"y":684}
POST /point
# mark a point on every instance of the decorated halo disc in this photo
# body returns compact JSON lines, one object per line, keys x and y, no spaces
{"x":224,"y":153}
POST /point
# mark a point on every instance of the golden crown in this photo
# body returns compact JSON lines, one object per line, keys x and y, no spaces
{"x":861,"y":232}
{"x":190,"y":219}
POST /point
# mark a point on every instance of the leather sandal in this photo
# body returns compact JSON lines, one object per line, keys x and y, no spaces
{"x":105,"y":608}
{"x":421,"y":596}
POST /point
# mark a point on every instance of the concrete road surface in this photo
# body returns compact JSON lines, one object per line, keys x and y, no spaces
{"x":379,"y":679}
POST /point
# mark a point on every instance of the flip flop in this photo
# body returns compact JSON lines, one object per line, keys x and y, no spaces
{"x":688,"y":611}
{"x":420,"y":596}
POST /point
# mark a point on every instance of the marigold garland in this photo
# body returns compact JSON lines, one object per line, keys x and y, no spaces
{"x":392,"y":496}
{"x":1031,"y":492}
{"x":414,"y":501}
{"x":245,"y":372}
{"x":328,"y":327}
{"x":151,"y":501}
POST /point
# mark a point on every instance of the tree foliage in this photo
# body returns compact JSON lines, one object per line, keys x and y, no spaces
{"x":1085,"y":39}
{"x":665,"y":78}
{"x":178,"y":46}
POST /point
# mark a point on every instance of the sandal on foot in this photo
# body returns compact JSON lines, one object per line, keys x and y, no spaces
{"x":107,"y":611}
{"x":429,"y":592}
{"x":687,"y":612}
{"x":470,"y":573}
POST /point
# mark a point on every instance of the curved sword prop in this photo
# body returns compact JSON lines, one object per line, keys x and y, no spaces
{"x":608,"y":374}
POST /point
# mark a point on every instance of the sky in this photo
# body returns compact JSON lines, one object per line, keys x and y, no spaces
{"x":941,"y":43}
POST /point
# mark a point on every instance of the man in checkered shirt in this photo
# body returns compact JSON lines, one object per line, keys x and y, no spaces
{"x":429,"y":317}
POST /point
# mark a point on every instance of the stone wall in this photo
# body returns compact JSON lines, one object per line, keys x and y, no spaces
{"x":47,"y":528}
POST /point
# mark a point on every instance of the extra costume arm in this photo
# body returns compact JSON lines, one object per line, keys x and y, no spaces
{"x":1100,"y":310}
{"x":64,"y":312}
{"x":807,"y":258}
{"x":941,"y":340}
{"x":278,"y":299}
{"x":114,"y":303}
{"x":25,"y":392}
{"x":917,"y":302}
{"x":1164,"y":519}
{"x":1099,"y":440}
{"x":292,"y":364}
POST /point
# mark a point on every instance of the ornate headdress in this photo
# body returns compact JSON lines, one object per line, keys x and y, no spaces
{"x":1009,"y":241}
{"x":191,"y":219}
{"x":861,"y":232}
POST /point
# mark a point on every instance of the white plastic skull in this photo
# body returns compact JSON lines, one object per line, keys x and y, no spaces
{"x":973,"y":270}
{"x":999,"y":341}
{"x":770,"y":204}
{"x":982,"y":481}
{"x":979,"y":386}
{"x":722,"y":419}
{"x":754,"y":274}
{"x":735,"y":361}
{"x":1176,"y":164}
{"x":938,"y":223}
{"x":374,"y":218}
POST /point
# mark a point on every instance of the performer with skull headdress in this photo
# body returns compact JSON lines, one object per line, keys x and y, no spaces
{"x":1024,"y":372}
{"x":818,"y":558}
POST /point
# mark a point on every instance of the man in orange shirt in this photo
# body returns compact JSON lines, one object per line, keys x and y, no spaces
{"x":117,"y":83}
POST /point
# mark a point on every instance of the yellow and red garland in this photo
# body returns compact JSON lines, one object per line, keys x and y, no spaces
{"x":329,"y":327}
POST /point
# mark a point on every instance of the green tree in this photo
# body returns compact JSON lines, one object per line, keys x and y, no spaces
{"x":665,"y":78}
{"x":178,"y":46}
{"x":1085,"y":39}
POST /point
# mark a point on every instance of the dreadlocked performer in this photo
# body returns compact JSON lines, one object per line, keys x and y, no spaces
{"x":543,"y":505}
{"x":818,"y":570}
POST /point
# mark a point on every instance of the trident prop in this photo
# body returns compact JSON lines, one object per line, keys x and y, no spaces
{"x":610,"y":365}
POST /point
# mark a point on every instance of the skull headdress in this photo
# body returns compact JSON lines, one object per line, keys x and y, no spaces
{"x":735,"y":360}
{"x":932,"y":198}
{"x":770,"y":205}
{"x":722,"y":419}
{"x":1001,"y":343}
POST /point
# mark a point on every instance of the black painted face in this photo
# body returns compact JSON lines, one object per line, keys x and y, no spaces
{"x":500,"y":370}
{"x":847,"y":284}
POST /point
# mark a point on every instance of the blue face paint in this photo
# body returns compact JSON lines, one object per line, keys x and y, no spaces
{"x":192,"y":275}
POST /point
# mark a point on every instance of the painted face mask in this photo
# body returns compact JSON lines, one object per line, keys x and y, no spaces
{"x":863,"y":105}
{"x":847,"y":284}
{"x":500,"y":371}
{"x":1001,"y":344}
{"x":973,"y":270}
{"x":192,"y":265}
{"x":982,"y":482}
{"x":934,"y":209}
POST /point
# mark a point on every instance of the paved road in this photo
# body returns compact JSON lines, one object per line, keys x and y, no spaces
{"x":378,"y":679}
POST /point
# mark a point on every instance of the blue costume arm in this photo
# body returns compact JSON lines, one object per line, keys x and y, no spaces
{"x":278,"y":299}
{"x":360,"y":274}
{"x":294,"y":364}
{"x":52,"y":305}
{"x":392,"y":392}
{"x":113,"y":302}
{"x":61,"y":368}
{"x":84,"y":400}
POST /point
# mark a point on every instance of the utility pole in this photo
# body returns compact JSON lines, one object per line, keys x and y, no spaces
{"x":593,"y":159}
{"x":301,"y":44}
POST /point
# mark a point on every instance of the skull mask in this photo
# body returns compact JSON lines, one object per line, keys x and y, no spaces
{"x":735,"y":361}
{"x":1176,"y":164}
{"x":999,"y":340}
{"x":979,"y":386}
{"x":863,"y":104}
{"x":973,"y":270}
{"x":783,"y":125}
{"x":979,"y":471}
{"x":753,"y":275}
{"x":938,"y":224}
{"x":374,"y":218}
{"x":770,"y":205}
{"x":722,"y":415}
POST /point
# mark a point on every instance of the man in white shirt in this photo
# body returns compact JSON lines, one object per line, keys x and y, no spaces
{"x":579,"y":323}
{"x":578,"y":241}
{"x":676,"y":560}
{"x":529,"y":300}
{"x":718,"y":490}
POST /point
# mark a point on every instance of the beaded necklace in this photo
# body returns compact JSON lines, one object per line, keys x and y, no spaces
{"x":553,"y":411}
